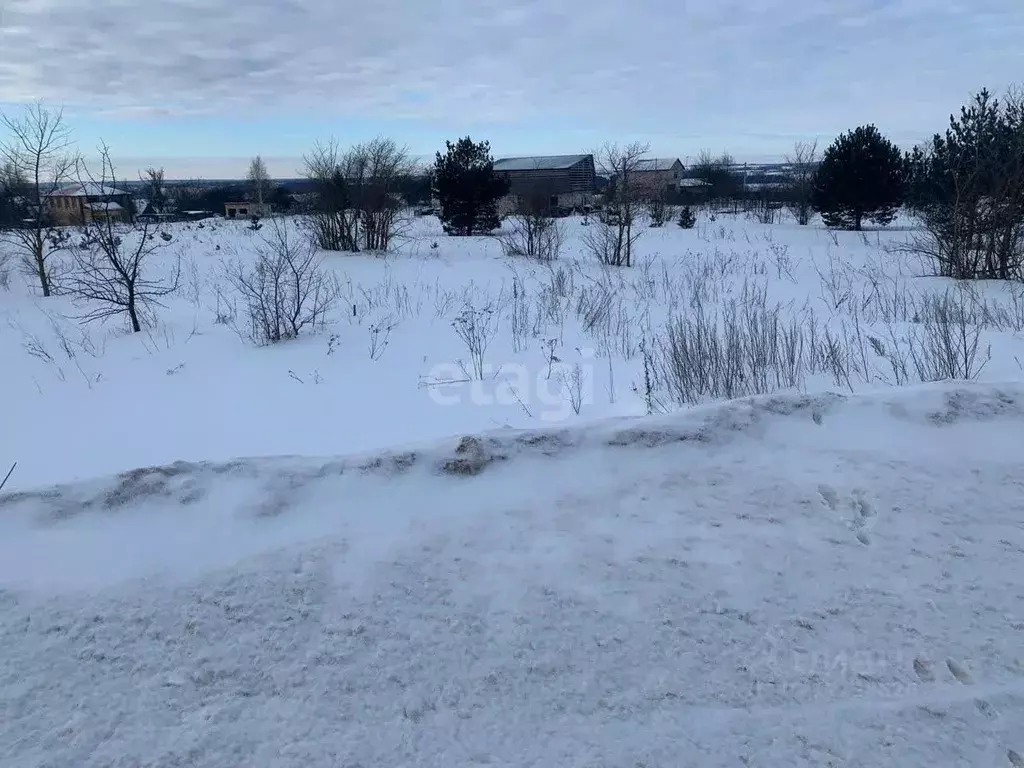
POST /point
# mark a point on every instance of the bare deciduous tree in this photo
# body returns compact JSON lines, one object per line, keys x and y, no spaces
{"x":762,"y":207}
{"x":658,"y":211}
{"x":333,"y":219}
{"x":358,"y":205}
{"x":39,"y":151}
{"x":612,"y":238}
{"x":286,"y":290}
{"x":802,"y":163}
{"x":258,"y":178}
{"x":384,"y":165}
{"x":153,"y":179}
{"x":532,"y":231}
{"x":716,"y":171}
{"x":112,"y":261}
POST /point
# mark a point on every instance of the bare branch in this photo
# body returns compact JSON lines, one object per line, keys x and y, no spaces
{"x":39,"y":153}
{"x":112,"y":260}
{"x":658,"y":210}
{"x":384,"y":165}
{"x":358,"y":205}
{"x":532,"y":231}
{"x":8,"y":476}
{"x":718,"y":174}
{"x":286,"y":290}
{"x":802,"y":164}
{"x":156,"y":189}
{"x":612,"y":238}
{"x":333,"y":221}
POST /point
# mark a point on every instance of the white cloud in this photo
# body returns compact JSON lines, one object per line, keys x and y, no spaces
{"x":184,"y":168}
{"x":137,"y":111}
{"x":729,"y":67}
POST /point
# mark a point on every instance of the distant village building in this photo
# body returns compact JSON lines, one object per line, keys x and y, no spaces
{"x":79,"y":204}
{"x":658,"y":175}
{"x":562,"y":181}
{"x":247,"y":210}
{"x":145,"y":210}
{"x":694,"y":191}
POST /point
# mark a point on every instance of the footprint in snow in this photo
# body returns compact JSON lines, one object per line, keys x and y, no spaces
{"x":864,"y":514}
{"x":1015,"y":759}
{"x":924,"y":670}
{"x":829,"y":496}
{"x":958,"y":672}
{"x":985,"y":708}
{"x":865,"y":510}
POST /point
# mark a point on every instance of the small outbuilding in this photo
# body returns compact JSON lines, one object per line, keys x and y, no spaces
{"x":247,"y":210}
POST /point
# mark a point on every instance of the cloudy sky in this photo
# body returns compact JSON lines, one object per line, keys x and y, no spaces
{"x":201,"y":85}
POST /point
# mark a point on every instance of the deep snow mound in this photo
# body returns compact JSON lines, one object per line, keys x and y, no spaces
{"x":800,"y":580}
{"x":188,"y":483}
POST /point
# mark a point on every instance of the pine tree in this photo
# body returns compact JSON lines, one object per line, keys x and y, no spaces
{"x":14,"y":191}
{"x":860,"y":177}
{"x":916,"y":179}
{"x":971,"y":182}
{"x":467,"y":188}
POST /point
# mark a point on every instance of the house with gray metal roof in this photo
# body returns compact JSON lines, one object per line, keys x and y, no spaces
{"x":658,"y":174}
{"x":564,"y":181}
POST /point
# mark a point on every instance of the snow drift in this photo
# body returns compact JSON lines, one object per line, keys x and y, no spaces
{"x":797,"y":580}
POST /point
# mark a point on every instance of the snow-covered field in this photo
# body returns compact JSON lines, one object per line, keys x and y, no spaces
{"x":808,"y":310}
{"x":828,"y":574}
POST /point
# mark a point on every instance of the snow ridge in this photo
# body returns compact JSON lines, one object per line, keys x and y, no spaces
{"x":799,"y":580}
{"x":186,"y":483}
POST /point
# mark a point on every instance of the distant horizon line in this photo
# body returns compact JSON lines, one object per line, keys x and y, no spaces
{"x":277,"y":163}
{"x":282,"y":179}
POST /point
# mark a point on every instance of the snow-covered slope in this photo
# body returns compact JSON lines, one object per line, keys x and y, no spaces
{"x":789,"y":581}
{"x":768,"y":308}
